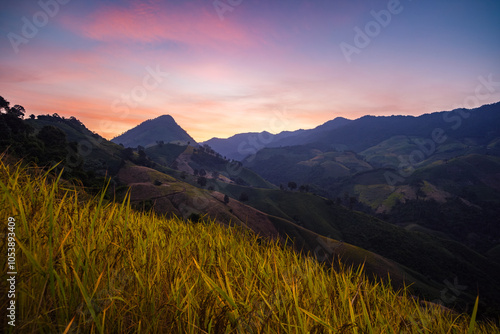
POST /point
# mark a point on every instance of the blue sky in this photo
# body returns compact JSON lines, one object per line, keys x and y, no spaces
{"x":223,"y":67}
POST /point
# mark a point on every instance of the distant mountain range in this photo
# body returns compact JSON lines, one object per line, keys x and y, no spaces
{"x":241,"y":145}
{"x":152,"y":131}
{"x":480,"y":124}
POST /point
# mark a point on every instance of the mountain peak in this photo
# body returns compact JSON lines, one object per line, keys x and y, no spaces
{"x":335,"y":123}
{"x":164,"y":118}
{"x":162,"y":128}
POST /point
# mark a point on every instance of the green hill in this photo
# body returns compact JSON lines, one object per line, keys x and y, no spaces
{"x":432,"y":257}
{"x":192,"y":162}
{"x":304,"y":165}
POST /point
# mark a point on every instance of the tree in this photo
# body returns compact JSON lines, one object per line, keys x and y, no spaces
{"x":226,"y":199}
{"x":420,"y":193}
{"x":202,"y":181}
{"x":17,"y":111}
{"x":128,"y":153}
{"x":54,"y":140}
{"x":203,"y":172}
{"x":32,"y":116}
{"x":346,"y":198}
{"x":292,"y":185}
{"x":304,"y":188}
{"x":352,"y":201}
{"x":4,"y":104}
{"x":239,"y":181}
{"x":52,"y":136}
{"x":143,"y":158}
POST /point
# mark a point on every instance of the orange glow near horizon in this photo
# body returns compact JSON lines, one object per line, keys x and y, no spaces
{"x":263,"y":67}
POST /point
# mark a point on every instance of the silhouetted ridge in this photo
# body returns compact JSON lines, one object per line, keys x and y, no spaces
{"x":150,"y":132}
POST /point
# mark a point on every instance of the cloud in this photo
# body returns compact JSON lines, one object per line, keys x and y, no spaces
{"x":155,"y":22}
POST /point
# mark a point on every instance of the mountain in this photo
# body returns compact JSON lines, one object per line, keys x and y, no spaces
{"x":437,"y":173}
{"x":242,"y":145}
{"x":399,"y":142}
{"x":427,"y":234}
{"x":148,"y":133}
{"x":341,"y":134}
{"x":478,"y":126}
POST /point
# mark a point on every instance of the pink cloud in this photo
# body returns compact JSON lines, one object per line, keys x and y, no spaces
{"x":154,"y":22}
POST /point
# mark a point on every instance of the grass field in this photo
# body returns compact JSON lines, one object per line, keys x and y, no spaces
{"x":85,"y":266}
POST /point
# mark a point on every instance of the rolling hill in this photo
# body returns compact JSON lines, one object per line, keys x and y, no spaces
{"x":438,"y":171}
{"x":104,"y":267}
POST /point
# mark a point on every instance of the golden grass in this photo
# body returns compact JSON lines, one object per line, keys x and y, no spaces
{"x":85,"y":266}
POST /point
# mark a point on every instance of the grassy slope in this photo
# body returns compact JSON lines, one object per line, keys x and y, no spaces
{"x":168,"y":153}
{"x":471,"y":175}
{"x":436,"y":259}
{"x":476,"y":173}
{"x":386,"y":153}
{"x":89,"y":266}
{"x":304,"y":165}
{"x":181,"y":199}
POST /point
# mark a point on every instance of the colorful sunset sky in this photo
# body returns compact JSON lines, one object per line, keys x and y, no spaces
{"x":229,"y":66}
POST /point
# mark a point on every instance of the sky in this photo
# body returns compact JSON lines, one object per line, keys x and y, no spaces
{"x":229,"y":66}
